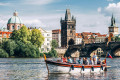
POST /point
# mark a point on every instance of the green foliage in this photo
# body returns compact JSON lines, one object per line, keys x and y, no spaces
{"x":26,"y":50}
{"x":116,"y":38}
{"x":9,"y":46}
{"x":54,"y":44}
{"x":3,"y":53}
{"x":26,"y":36}
{"x":36,"y":37}
{"x":52,"y":53}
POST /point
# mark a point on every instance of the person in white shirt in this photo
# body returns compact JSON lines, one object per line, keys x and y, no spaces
{"x":95,"y":56}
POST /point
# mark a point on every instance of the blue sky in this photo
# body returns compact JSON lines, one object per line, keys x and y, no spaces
{"x":91,"y":15}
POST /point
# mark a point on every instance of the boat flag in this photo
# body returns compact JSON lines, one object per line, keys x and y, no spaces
{"x":109,"y":56}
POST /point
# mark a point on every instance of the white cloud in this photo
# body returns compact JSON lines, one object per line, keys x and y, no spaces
{"x":38,"y":2}
{"x":3,"y":4}
{"x":113,"y":8}
{"x":110,"y":0}
{"x":99,"y":9}
{"x":92,"y":23}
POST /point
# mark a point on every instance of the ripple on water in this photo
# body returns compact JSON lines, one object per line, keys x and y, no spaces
{"x":35,"y":69}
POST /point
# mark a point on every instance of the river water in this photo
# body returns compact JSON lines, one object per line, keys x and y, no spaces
{"x":35,"y":69}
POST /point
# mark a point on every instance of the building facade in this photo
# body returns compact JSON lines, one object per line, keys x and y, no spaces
{"x":78,"y":38}
{"x":46,"y":46}
{"x":14,"y":23}
{"x":68,"y":30}
{"x":56,"y":35}
{"x":100,"y":38}
{"x":4,"y":35}
{"x":113,"y":29}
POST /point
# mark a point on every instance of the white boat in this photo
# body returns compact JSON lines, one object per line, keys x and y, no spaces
{"x":60,"y":67}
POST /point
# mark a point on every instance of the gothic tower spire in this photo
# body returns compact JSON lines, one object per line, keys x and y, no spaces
{"x":112,"y":21}
{"x":67,"y":15}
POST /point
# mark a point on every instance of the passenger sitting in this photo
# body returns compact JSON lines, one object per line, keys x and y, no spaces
{"x":79,"y":61}
{"x":74,"y":61}
{"x":83,"y":61}
{"x":91,"y":61}
{"x":94,"y":61}
{"x":86,"y":61}
{"x":99,"y":62}
{"x":63,"y":59}
{"x":70,"y":60}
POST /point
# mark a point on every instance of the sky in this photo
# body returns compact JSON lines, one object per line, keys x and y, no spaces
{"x":91,"y":15}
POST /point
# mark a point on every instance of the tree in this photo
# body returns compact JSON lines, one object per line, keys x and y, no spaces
{"x":53,"y":53}
{"x":54,"y":44}
{"x":9,"y":46}
{"x":22,"y":34}
{"x":36,"y":37}
{"x":26,"y":50}
{"x":3,"y":53}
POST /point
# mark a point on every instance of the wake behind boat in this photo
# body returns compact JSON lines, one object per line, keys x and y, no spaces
{"x":63,"y":67}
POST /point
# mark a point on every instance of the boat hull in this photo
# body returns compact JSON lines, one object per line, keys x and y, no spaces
{"x":57,"y":67}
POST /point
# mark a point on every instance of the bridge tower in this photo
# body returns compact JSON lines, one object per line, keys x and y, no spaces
{"x":113,"y":29}
{"x":68,"y":29}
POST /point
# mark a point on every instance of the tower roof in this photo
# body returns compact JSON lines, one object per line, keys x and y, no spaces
{"x":112,"y":21}
{"x":67,"y":15}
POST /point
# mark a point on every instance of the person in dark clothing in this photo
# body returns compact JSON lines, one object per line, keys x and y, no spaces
{"x":99,"y":62}
{"x":79,"y":61}
{"x":83,"y":61}
{"x":86,"y":61}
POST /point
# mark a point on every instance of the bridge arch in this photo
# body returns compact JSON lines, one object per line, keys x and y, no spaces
{"x":115,"y":51}
{"x":93,"y":48}
{"x":71,"y":42}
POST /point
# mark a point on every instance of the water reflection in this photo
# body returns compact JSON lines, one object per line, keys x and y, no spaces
{"x":83,"y":76}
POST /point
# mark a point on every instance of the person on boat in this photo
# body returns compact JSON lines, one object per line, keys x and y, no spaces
{"x":99,"y":62}
{"x":69,"y":60}
{"x":94,"y":61}
{"x":74,"y":62}
{"x":79,"y":61}
{"x":83,"y":60}
{"x":86,"y":61}
{"x":63,"y":59}
{"x":90,"y":61}
{"x":95,"y":56}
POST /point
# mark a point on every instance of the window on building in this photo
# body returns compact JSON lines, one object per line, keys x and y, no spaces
{"x":13,"y":27}
{"x":47,"y":43}
{"x":47,"y":39}
{"x":8,"y":28}
{"x":18,"y":27}
{"x":48,"y":34}
{"x":47,"y":49}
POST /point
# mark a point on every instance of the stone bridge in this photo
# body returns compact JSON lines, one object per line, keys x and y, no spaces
{"x":86,"y":49}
